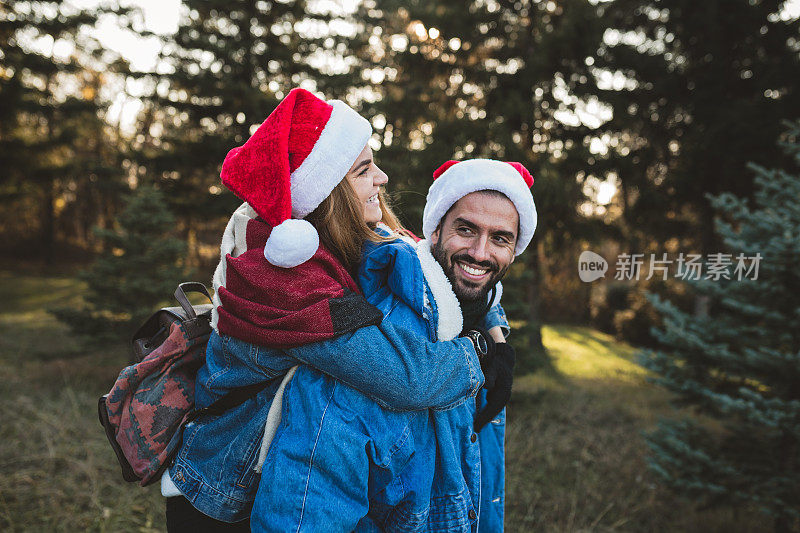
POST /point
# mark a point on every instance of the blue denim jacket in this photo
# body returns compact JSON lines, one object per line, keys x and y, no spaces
{"x":214,"y":467}
{"x":340,"y":463}
{"x":392,"y":364}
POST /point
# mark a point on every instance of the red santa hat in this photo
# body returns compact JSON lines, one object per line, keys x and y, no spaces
{"x":291,"y":164}
{"x":456,"y":179}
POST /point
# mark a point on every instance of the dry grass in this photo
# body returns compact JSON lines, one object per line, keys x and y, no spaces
{"x":574,"y":446}
{"x":575,"y":454}
{"x":57,"y":472}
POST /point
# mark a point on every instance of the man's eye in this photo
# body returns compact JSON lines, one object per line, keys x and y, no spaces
{"x":501,"y":240}
{"x":464,"y":229}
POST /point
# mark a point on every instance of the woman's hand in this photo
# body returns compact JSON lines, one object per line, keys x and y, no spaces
{"x":499,"y":392}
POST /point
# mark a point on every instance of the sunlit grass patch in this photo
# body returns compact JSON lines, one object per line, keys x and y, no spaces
{"x":580,"y":352}
{"x":28,"y":333}
{"x":33,"y":294}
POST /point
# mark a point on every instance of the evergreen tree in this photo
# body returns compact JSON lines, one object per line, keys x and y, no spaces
{"x":223,"y":72}
{"x":53,"y":141}
{"x":740,"y":364}
{"x":697,"y":91}
{"x":140,"y":269}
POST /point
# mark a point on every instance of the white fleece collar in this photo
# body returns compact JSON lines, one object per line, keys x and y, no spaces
{"x":497,"y":295}
{"x":451,"y":320}
{"x":234,"y":243}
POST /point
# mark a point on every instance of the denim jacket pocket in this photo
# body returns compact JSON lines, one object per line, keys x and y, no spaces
{"x":451,"y":513}
{"x":223,"y":451}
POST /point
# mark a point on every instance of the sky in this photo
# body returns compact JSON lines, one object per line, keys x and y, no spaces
{"x":160,"y":16}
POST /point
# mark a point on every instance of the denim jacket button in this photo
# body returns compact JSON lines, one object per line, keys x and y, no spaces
{"x":473,"y":437}
{"x":472,"y":515}
{"x":179,"y":476}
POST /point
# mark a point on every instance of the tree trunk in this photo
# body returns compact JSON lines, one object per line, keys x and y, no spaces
{"x":192,"y":249}
{"x":534,"y":302}
{"x":48,"y":223}
{"x":707,"y":243}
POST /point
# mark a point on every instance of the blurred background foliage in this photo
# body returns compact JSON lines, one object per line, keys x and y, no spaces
{"x":626,"y":112}
{"x":630,"y":114}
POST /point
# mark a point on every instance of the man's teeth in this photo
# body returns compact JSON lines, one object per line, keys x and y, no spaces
{"x":372,"y":199}
{"x":473,"y":271}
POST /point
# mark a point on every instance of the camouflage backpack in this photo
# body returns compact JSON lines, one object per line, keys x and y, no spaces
{"x":152,"y":399}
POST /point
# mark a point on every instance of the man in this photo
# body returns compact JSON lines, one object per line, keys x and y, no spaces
{"x":478,"y":216}
{"x":341,"y":462}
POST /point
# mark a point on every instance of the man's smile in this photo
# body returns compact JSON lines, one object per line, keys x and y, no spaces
{"x":471,"y":272}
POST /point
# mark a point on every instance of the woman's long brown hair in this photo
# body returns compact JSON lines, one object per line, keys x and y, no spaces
{"x":339,"y":220}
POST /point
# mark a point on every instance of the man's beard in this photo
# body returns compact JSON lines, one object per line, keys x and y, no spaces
{"x":464,"y":289}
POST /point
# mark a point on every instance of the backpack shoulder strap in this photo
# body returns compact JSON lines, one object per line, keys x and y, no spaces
{"x":190,"y":286}
{"x":233,"y":399}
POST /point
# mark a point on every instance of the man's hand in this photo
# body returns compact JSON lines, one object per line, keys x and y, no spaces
{"x":499,"y":391}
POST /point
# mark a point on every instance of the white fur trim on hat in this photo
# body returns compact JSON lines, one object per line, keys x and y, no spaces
{"x":475,"y":175}
{"x":451,"y":321}
{"x":344,"y":136}
{"x":291,"y":243}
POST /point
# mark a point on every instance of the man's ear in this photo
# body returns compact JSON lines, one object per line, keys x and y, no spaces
{"x":435,"y":235}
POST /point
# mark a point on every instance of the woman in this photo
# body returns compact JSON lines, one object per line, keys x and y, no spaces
{"x":285,"y":295}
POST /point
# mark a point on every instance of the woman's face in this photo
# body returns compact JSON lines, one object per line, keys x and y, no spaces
{"x":366,"y":179}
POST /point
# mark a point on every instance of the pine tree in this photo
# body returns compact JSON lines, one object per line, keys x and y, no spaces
{"x":140,"y":269}
{"x":740,"y":364}
{"x":689,"y":84}
{"x":225,"y":70}
{"x":53,"y":141}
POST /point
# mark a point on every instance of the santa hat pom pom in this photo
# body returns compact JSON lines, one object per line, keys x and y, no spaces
{"x":439,"y":171}
{"x":519,"y":167}
{"x":291,"y":243}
